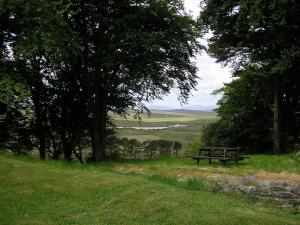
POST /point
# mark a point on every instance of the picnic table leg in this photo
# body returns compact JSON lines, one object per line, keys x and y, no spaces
{"x":236,"y":153}
{"x":223,"y":162}
{"x":209,"y":161}
{"x":198,"y":161}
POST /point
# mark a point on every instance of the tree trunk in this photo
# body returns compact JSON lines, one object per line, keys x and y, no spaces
{"x":68,"y":146}
{"x":99,"y":125}
{"x":42,"y":139}
{"x":65,"y":134}
{"x":56,"y":151}
{"x":38,"y":109}
{"x":79,"y":153}
{"x":276,"y":123}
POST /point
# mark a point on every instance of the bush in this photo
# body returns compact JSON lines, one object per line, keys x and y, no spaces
{"x":194,"y":146}
{"x":218,"y":133}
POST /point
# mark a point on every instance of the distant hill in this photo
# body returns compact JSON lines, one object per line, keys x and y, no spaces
{"x":209,"y":108}
{"x":189,"y":112}
{"x":159,"y":107}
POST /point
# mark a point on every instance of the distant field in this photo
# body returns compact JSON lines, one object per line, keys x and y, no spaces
{"x":183,"y":134}
{"x":193,"y":122}
{"x":165,"y":117}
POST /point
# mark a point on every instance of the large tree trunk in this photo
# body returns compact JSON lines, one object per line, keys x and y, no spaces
{"x":276,"y":123}
{"x":66,"y":138}
{"x":99,"y":125}
{"x":79,"y":153}
{"x":56,"y":150}
{"x":68,"y":146}
{"x":38,"y":109}
{"x":40,"y":129}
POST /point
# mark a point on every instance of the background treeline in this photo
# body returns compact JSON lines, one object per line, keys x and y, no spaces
{"x":133,"y":149}
{"x":260,"y":39}
{"x":65,"y":64}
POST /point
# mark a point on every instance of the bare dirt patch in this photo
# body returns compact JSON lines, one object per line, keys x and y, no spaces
{"x":286,"y":176}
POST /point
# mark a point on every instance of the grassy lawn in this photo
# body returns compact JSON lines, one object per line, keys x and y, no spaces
{"x":35,"y":192}
{"x":263,"y":166}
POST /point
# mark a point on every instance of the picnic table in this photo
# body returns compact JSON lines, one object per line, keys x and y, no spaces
{"x":222,"y":154}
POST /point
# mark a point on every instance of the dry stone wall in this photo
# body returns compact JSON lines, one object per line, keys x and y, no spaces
{"x":282,"y":192}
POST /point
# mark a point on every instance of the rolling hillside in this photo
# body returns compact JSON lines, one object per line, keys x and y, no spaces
{"x":178,"y":125}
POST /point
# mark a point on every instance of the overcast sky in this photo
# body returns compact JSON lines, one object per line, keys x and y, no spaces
{"x":212,"y":75}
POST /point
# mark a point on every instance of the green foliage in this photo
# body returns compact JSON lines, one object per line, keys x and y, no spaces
{"x":133,"y":149}
{"x":246,"y":118}
{"x":193,"y":146}
{"x":81,"y":59}
{"x":15,"y":117}
{"x":195,"y":184}
{"x":259,"y":39}
{"x":253,"y":31}
{"x":12,"y":94}
{"x":218,"y":134}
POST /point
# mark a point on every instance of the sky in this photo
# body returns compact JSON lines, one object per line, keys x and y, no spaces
{"x":212,"y":75}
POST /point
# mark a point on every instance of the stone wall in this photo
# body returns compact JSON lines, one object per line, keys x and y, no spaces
{"x":284,"y":193}
{"x":281,"y":192}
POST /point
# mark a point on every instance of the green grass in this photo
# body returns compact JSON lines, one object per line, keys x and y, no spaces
{"x":271,"y":163}
{"x":34,"y":192}
{"x":186,"y":167}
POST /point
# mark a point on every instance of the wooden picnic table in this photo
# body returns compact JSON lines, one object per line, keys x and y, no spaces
{"x":222,"y":154}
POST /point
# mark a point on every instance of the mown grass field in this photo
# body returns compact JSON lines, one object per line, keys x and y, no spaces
{"x":285,"y":167}
{"x":194,"y":122}
{"x":34,"y":192}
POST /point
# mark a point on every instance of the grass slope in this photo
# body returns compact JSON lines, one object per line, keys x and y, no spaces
{"x":34,"y":192}
{"x":285,"y":167}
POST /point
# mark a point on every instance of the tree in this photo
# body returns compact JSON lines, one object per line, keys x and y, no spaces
{"x":132,"y":51}
{"x":15,"y":120}
{"x":38,"y":40}
{"x":81,"y":59}
{"x":245,"y":114}
{"x":176,"y":147}
{"x":262,"y":34}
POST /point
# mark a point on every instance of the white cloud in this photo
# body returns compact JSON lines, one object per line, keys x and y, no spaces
{"x":213,"y":75}
{"x":192,"y":7}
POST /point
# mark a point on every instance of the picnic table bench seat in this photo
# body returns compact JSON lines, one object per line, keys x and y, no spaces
{"x":222,"y":154}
